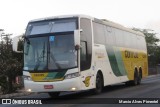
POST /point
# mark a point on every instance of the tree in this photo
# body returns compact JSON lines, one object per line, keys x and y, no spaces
{"x":152,"y":46}
{"x":10,"y":64}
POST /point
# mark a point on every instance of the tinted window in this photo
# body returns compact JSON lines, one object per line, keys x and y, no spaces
{"x":99,"y":33}
{"x":133,"y":41}
{"x":110,"y":38}
{"x":86,"y":39}
{"x":141,"y":43}
{"x":119,"y":37}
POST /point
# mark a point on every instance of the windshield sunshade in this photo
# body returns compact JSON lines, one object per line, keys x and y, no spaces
{"x":53,"y":26}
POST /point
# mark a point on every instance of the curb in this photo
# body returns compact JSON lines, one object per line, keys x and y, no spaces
{"x":12,"y":95}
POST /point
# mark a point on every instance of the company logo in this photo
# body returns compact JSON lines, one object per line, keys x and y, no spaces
{"x":131,"y":54}
{"x":87,"y":81}
{"x":6,"y":101}
{"x":21,"y":101}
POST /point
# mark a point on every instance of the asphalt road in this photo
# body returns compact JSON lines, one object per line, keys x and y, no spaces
{"x":150,"y":88}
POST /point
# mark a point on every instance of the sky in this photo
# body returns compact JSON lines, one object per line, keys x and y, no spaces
{"x":144,"y":14}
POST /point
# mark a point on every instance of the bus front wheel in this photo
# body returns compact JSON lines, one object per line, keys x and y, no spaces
{"x":99,"y":83}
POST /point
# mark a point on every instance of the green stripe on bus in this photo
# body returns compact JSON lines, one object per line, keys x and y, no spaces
{"x":113,"y":61}
{"x":55,"y":75}
{"x":120,"y":61}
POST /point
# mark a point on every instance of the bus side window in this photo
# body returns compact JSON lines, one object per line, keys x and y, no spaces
{"x":83,"y":55}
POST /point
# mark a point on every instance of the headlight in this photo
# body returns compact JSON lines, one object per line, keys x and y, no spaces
{"x":73,"y":75}
{"x":27,"y":78}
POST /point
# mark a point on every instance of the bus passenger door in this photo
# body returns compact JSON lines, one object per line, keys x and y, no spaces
{"x":86,"y":74}
{"x":86,"y":54}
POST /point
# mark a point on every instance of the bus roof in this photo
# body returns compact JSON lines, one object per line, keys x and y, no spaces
{"x":62,"y":16}
{"x":103,"y":21}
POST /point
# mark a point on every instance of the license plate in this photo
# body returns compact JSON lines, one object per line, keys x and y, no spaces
{"x":48,"y":86}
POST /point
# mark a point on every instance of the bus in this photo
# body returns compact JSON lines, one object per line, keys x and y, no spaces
{"x":80,"y":52}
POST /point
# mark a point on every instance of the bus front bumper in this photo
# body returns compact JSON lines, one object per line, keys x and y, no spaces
{"x":57,"y":86}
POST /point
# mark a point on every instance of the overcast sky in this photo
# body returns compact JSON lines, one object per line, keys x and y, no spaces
{"x":15,"y":14}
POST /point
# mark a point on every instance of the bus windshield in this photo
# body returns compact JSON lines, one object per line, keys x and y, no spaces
{"x":52,"y":52}
{"x":49,"y":45}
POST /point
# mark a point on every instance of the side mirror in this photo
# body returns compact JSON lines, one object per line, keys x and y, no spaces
{"x":77,"y":47}
{"x":15,"y":44}
{"x":77,"y":37}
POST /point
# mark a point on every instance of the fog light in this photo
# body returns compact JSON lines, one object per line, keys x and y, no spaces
{"x":73,"y":89}
{"x":29,"y":90}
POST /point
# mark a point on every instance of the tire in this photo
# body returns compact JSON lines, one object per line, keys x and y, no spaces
{"x":139,"y":79}
{"x":136,"y":78}
{"x":54,"y":94}
{"x":128,"y":83}
{"x":140,"y":76}
{"x":99,"y":84}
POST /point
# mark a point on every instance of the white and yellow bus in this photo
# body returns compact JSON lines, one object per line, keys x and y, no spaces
{"x":78,"y":52}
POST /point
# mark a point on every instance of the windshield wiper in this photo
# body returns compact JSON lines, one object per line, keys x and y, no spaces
{"x":54,"y":60}
{"x":42,"y":55}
